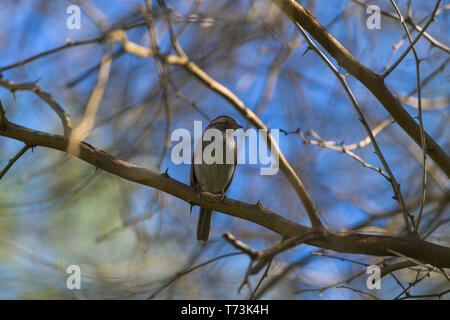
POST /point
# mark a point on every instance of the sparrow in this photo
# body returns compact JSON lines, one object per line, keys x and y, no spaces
{"x":215,"y":177}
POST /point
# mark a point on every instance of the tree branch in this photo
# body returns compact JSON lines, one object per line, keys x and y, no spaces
{"x":377,"y":245}
{"x":412,"y":43}
{"x":332,"y":145}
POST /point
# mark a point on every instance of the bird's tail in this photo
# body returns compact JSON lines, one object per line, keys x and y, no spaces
{"x":204,"y":224}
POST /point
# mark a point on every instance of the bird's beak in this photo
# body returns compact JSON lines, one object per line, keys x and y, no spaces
{"x":238,"y":126}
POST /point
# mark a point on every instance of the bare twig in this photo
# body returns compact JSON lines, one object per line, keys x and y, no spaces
{"x":265,"y":257}
{"x":435,"y":227}
{"x":399,"y":283}
{"x":412,"y":43}
{"x":240,"y":246}
{"x":69,"y":44}
{"x":14,"y":159}
{"x":431,"y":295}
{"x":412,"y":284}
{"x":46,"y":97}
{"x":85,"y":74}
{"x":387,"y":269}
{"x":180,"y":274}
{"x":359,"y":291}
{"x":264,"y":276}
{"x":410,"y":259}
{"x":340,"y":258}
{"x":282,"y":275}
{"x":422,"y":131}
{"x":332,"y":145}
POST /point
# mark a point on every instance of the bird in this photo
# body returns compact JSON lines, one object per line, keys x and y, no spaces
{"x":215,"y":177}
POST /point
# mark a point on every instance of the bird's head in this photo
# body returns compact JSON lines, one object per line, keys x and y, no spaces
{"x":224,"y":122}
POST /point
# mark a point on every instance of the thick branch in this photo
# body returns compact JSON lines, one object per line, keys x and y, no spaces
{"x":377,"y":245}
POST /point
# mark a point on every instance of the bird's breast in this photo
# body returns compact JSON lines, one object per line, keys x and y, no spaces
{"x":215,"y":177}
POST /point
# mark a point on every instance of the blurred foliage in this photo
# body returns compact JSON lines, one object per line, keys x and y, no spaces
{"x":131,"y":241}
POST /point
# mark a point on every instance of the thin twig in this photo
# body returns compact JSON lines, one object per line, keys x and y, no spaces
{"x":332,"y":145}
{"x":267,"y":255}
{"x":359,"y":291}
{"x":340,"y":258}
{"x":422,"y":130}
{"x":70,"y":43}
{"x":400,"y":59}
{"x":46,"y":97}
{"x":431,"y":295}
{"x":399,"y":283}
{"x":429,"y":78}
{"x":180,"y":274}
{"x":408,"y":258}
{"x":412,"y":284}
{"x":14,"y":159}
{"x":264,"y":276}
{"x":387,"y":269}
{"x":240,"y":246}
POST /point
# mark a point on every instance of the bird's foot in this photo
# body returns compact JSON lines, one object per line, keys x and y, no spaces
{"x":198,"y":189}
{"x":221,"y":196}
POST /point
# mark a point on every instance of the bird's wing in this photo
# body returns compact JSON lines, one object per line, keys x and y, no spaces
{"x":193,"y":178}
{"x":234,"y":169}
